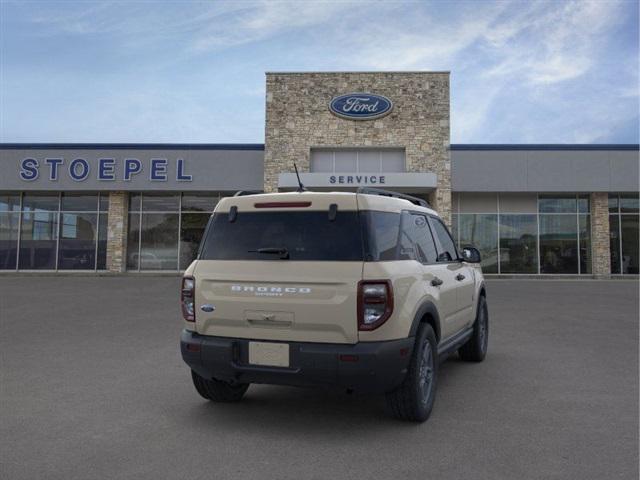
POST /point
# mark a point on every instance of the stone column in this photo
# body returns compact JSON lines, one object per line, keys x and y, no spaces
{"x":117,"y":232}
{"x":600,"y":250}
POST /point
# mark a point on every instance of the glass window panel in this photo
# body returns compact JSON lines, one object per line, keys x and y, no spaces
{"x":481,"y":231}
{"x":368,"y":161}
{"x":454,"y":229}
{"x":159,"y":241}
{"x":557,"y":204}
{"x":9,"y":201}
{"x":628,"y":204}
{"x":199,"y":202}
{"x":40,"y":201}
{"x":380,"y":232}
{"x":346,"y":161}
{"x":614,"y":242}
{"x":518,"y":244}
{"x":152,"y":202}
{"x":583,"y":204}
{"x":77,"y":247}
{"x":104,"y":202}
{"x":558,"y":244}
{"x":79,"y":202}
{"x":191,"y":230}
{"x":102,"y":241}
{"x":447,"y":250}
{"x":135,"y":200}
{"x":133,"y":241}
{"x":322,"y":161}
{"x":585,"y":243}
{"x":393,"y":161}
{"x":630,"y":245}
{"x":613,"y":203}
{"x":8,"y":240}
{"x":38,"y":240}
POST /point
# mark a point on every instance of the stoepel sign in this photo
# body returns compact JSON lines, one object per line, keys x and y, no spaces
{"x":360,"y":106}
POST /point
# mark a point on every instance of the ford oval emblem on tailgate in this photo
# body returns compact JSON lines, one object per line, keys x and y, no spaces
{"x":207,"y":308}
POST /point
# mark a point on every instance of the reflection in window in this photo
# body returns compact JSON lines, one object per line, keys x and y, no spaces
{"x":38,"y":239}
{"x":558,"y":244}
{"x":78,"y":234}
{"x":165,"y":229}
{"x":9,"y":222}
{"x":623,"y":233}
{"x":481,"y":231}
{"x":518,"y":244}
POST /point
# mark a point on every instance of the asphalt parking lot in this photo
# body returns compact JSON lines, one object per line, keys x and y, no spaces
{"x":93,"y":386}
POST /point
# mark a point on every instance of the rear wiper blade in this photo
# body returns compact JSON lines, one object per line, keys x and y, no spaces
{"x":283,"y":252}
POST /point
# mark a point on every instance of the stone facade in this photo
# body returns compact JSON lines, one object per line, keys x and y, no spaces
{"x":117,"y":231}
{"x":298,"y":119}
{"x":600,"y":247}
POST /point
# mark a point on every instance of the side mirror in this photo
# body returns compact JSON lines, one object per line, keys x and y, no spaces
{"x":471,"y":254}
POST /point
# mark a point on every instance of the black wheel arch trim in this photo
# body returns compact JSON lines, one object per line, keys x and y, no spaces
{"x":427,"y":308}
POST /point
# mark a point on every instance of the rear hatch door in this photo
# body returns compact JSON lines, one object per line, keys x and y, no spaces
{"x":287,"y":271}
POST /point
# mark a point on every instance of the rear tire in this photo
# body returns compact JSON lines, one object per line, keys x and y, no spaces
{"x":413,"y":399}
{"x":217,"y":390}
{"x":476,"y":347}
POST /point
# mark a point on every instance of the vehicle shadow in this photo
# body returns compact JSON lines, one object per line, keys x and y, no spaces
{"x":290,"y":410}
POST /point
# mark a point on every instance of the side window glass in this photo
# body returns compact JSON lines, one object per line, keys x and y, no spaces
{"x":408,"y":250}
{"x":416,"y":242}
{"x":447,"y":251}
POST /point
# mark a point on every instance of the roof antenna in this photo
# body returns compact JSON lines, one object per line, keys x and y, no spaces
{"x":301,"y":187}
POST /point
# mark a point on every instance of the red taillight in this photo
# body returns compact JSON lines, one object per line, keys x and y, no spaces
{"x":187,"y":298}
{"x":282,"y":204}
{"x":375,"y":303}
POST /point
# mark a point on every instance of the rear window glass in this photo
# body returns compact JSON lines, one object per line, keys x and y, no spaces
{"x":381,"y":232}
{"x":305,"y":235}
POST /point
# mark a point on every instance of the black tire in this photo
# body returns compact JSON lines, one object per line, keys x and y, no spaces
{"x":413,"y":400}
{"x":476,"y":347}
{"x":217,"y":390}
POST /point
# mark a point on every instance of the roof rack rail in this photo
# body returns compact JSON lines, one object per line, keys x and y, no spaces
{"x":389,"y":193}
{"x":244,"y":193}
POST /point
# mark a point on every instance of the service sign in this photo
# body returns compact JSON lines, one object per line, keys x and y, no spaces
{"x":360,"y":106}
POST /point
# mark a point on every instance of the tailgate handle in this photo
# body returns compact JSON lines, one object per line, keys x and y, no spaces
{"x":269,"y":322}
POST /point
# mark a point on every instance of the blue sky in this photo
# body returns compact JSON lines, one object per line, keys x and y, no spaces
{"x":173,"y":71}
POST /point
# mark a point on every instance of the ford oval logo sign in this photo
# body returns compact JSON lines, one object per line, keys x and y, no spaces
{"x":360,"y":106}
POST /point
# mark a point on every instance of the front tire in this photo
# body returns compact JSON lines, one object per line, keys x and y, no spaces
{"x":217,"y":390}
{"x":476,"y":347}
{"x":413,"y":400}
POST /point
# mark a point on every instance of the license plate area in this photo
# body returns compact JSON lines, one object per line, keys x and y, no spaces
{"x":269,"y":354}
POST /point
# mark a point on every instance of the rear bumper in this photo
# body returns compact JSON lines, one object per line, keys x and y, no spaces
{"x":373,"y":367}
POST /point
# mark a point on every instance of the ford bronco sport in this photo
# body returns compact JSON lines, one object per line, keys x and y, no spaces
{"x":364,"y":291}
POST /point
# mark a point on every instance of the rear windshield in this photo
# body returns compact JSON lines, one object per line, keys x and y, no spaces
{"x":294,"y":235}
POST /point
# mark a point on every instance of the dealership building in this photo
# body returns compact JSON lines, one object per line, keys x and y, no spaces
{"x":530,"y":209}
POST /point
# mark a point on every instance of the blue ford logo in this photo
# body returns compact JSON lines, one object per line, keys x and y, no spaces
{"x":360,"y":106}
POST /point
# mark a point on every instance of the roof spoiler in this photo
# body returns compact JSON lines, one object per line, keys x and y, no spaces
{"x":389,"y":193}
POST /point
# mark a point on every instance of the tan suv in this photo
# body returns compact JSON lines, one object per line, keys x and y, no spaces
{"x":363,"y":291}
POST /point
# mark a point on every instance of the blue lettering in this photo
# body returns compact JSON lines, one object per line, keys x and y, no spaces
{"x":372,"y":179}
{"x":132,"y":166}
{"x":332,"y":179}
{"x":349,"y":179}
{"x":53,"y":167}
{"x":106,"y":169}
{"x":180,"y":175}
{"x":359,"y":178}
{"x":29,"y":169}
{"x":84,"y":169}
{"x":383,"y":179}
{"x":158,"y":169}
{"x":341,"y":179}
